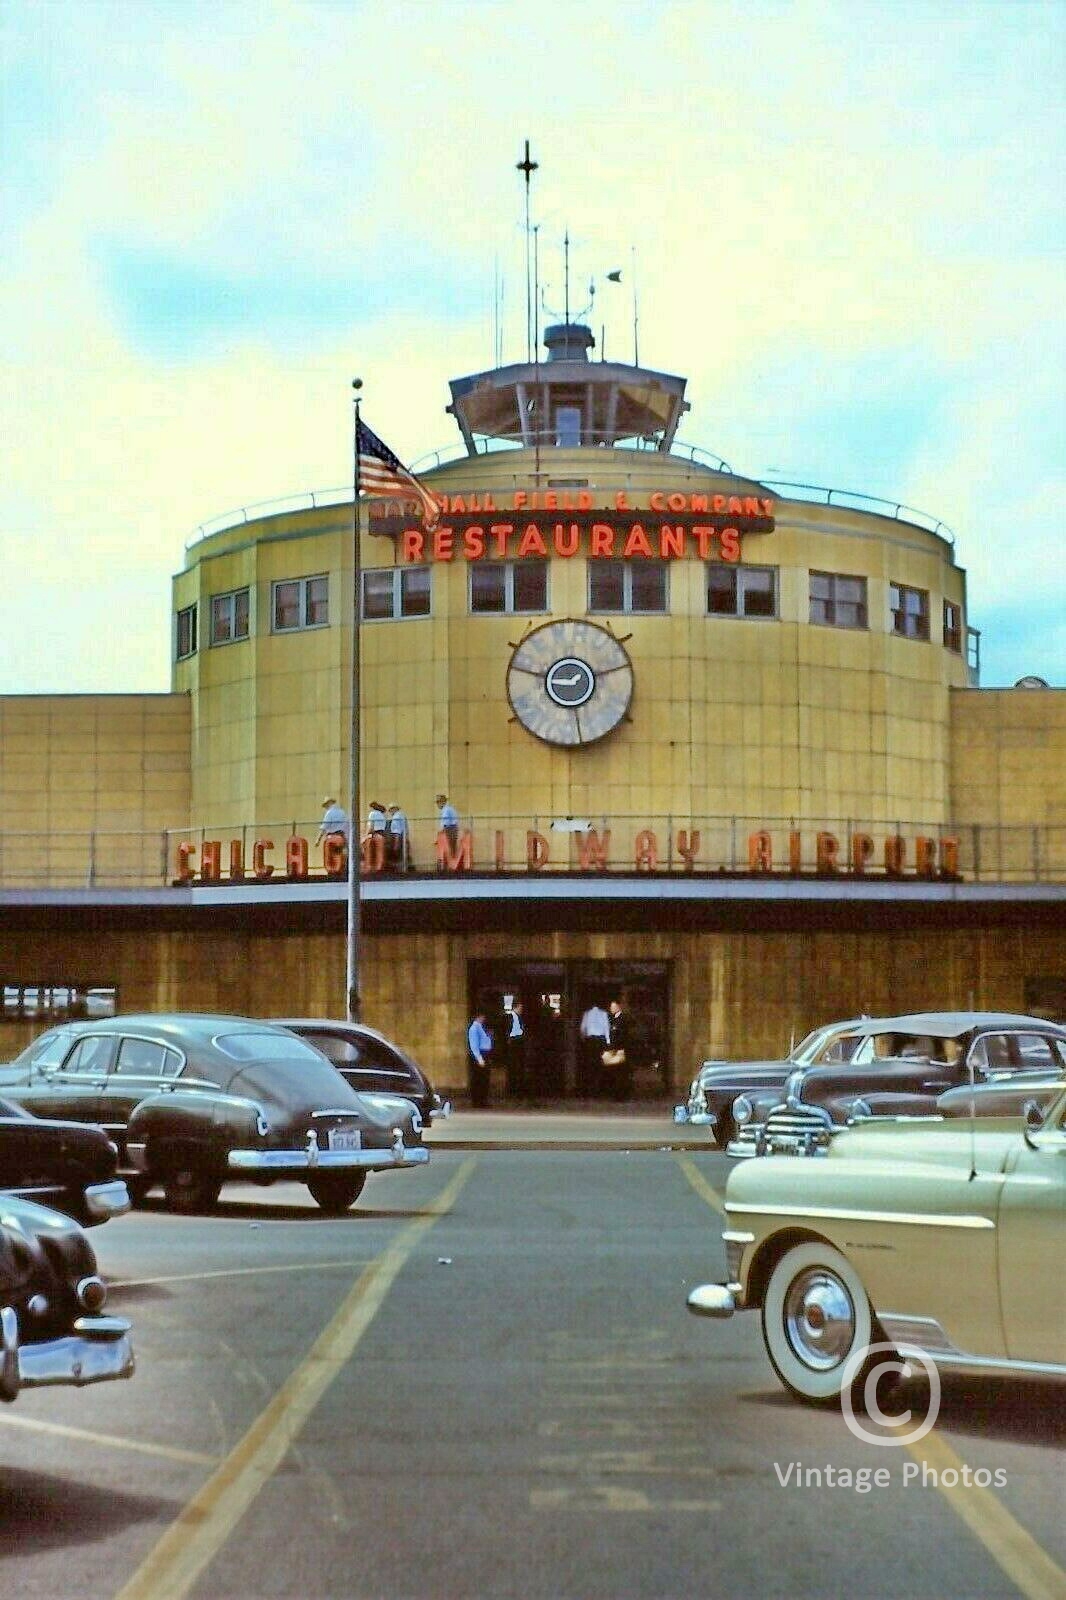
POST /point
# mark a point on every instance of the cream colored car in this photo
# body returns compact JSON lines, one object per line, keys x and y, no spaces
{"x":944,"y":1238}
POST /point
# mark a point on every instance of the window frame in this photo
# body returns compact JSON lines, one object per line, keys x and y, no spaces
{"x":739,"y":568}
{"x":186,"y":612}
{"x":898,"y":594}
{"x":303,"y":583}
{"x":953,"y":636}
{"x":509,"y":608}
{"x":627,"y":608}
{"x":397,"y":613}
{"x":832,"y":601}
{"x":232,"y":596}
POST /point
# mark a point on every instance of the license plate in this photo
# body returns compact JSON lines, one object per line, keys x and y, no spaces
{"x":345,"y":1139}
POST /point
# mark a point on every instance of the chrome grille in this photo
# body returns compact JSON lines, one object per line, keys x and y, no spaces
{"x":796,"y":1124}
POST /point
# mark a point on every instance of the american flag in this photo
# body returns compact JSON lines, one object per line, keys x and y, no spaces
{"x":382,"y":473}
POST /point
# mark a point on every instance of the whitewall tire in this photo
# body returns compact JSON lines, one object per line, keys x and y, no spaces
{"x":815,"y":1315}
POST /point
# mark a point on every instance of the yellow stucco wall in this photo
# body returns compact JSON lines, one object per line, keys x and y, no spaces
{"x":1008,"y":767}
{"x":113,"y":769}
{"x":763,"y":719}
{"x":733,"y":995}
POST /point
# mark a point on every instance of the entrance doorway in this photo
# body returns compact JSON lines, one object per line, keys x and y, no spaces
{"x":557,"y":1064}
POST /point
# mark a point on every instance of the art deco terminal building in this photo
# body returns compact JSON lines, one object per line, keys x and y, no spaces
{"x":716,"y":743}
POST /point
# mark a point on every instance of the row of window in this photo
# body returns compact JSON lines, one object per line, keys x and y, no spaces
{"x":837,"y":600}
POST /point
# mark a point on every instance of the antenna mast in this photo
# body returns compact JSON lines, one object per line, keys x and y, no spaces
{"x":566,"y":273}
{"x":528,"y":166}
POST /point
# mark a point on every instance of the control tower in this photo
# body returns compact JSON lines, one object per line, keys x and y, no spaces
{"x":568,"y":400}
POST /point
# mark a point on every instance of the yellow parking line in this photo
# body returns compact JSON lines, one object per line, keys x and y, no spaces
{"x":206,"y":1522}
{"x":1034,"y":1573}
{"x":110,"y":1440}
{"x":237,"y":1272}
{"x":699,"y":1182}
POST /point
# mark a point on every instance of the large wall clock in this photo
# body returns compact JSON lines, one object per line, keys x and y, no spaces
{"x":570,"y":682}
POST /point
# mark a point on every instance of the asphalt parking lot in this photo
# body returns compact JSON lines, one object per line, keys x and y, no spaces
{"x":484,"y":1382}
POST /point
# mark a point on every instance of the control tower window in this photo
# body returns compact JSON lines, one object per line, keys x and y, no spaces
{"x":837,"y":600}
{"x":953,"y":625}
{"x":300,"y":603}
{"x":508,"y":586}
{"x":186,"y":639}
{"x":568,"y":427}
{"x":628,"y":586}
{"x":736,"y":591}
{"x":910,"y":611}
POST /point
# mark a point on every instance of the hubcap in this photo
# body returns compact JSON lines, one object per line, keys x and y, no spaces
{"x":819,"y":1319}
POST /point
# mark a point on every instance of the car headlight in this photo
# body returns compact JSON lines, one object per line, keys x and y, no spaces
{"x":742,"y":1110}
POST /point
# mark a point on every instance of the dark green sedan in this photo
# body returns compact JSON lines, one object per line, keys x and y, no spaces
{"x":193,"y":1100}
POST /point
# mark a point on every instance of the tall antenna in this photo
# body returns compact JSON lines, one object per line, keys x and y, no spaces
{"x":528,"y":166}
{"x":536,"y":294}
{"x":566,"y":273}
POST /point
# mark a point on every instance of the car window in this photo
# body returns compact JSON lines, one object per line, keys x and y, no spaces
{"x":90,"y":1055}
{"x":147,"y":1057}
{"x":266,"y":1047}
{"x":342,"y":1052}
{"x":991,"y":1052}
{"x":50,"y":1049}
{"x":842,"y":1048}
{"x":1036,"y":1053}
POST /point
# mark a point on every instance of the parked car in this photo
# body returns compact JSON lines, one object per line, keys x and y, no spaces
{"x":60,"y":1164}
{"x":368,"y":1061}
{"x":902,"y":1071}
{"x":193,"y":1100}
{"x":939,"y":1238}
{"x":718,"y":1083}
{"x":51,"y":1299}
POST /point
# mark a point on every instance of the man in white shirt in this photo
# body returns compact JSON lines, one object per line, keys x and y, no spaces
{"x":479,"y":1045}
{"x":595,"y":1030}
{"x":334,"y":820}
{"x":397,"y":852}
{"x":517,"y":1086}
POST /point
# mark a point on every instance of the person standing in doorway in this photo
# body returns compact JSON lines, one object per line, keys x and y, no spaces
{"x":479,"y":1046}
{"x":517,"y":1086}
{"x":595,"y":1031}
{"x":617,"y":1058}
{"x":449,"y":822}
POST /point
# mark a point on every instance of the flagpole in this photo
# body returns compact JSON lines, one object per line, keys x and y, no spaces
{"x":353,"y":996}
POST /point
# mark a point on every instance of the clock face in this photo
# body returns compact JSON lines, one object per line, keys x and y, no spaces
{"x":570,"y":683}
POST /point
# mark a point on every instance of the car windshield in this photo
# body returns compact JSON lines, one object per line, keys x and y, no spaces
{"x":265,"y":1047}
{"x":811,"y":1048}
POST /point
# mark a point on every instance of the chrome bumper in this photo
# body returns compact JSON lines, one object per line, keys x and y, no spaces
{"x":103,"y":1200}
{"x":712,"y":1300}
{"x":98,"y":1350}
{"x":301,"y":1162}
{"x":698,"y":1119}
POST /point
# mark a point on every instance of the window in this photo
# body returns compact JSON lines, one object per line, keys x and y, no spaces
{"x":56,"y":1002}
{"x":1037,"y":1053}
{"x":627,"y":585}
{"x":953,"y":626}
{"x":991,"y":1053}
{"x":838,"y":601}
{"x":301,"y":603}
{"x":186,"y":642}
{"x":266,"y":1047}
{"x":497,"y":586}
{"x":91,"y":1055}
{"x":568,"y":426}
{"x":395,"y":592}
{"x":229,"y":616}
{"x":146,"y":1058}
{"x":734,"y":591}
{"x":910,"y":611}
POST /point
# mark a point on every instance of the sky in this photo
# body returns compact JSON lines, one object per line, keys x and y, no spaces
{"x":847,"y":218}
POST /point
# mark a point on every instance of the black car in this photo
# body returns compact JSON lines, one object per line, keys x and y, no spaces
{"x":60,"y":1164}
{"x":193,"y":1100}
{"x":928,"y":1053}
{"x":51,"y":1297}
{"x":370,"y":1062}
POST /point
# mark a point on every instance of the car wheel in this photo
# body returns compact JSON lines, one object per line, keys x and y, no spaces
{"x":190,"y":1189}
{"x":335,"y":1192}
{"x":815,"y":1315}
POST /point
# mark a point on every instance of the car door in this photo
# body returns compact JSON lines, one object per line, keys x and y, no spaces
{"x":1032,"y":1220}
{"x":141,"y":1067}
{"x":72,"y":1090}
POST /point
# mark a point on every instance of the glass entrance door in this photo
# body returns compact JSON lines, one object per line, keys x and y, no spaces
{"x":557,"y":1058}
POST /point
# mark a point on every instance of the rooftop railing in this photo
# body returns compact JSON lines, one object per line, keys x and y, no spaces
{"x":617,"y":845}
{"x":681,"y":451}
